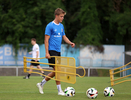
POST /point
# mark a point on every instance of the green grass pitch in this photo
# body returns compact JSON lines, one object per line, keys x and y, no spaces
{"x":17,"y":88}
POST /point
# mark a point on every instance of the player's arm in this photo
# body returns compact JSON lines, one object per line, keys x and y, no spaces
{"x":37,"y":53}
{"x":47,"y":37}
{"x":68,"y":41}
{"x":30,"y":52}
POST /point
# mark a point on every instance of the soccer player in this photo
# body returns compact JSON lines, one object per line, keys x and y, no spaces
{"x":54,"y":33}
{"x":35,"y":54}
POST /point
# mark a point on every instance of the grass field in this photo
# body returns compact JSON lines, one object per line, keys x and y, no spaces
{"x":17,"y":88}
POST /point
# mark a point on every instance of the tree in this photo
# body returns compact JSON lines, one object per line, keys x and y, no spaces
{"x":91,"y":22}
{"x":24,"y":19}
{"x":104,"y":8}
{"x":72,"y":21}
{"x":90,"y":32}
{"x":120,"y":21}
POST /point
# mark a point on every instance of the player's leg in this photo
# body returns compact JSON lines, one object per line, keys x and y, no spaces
{"x":60,"y":92}
{"x":52,"y":74}
{"x":40,"y":85}
{"x":28,"y":76}
{"x":52,"y":60}
{"x":39,"y":67}
{"x":30,"y":71}
{"x":58,"y":83}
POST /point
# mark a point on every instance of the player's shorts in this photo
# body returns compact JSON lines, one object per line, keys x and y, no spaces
{"x":34,"y":64}
{"x":52,"y":60}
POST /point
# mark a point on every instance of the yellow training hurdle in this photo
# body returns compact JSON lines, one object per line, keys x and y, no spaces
{"x":112,"y":73}
{"x":65,"y":69}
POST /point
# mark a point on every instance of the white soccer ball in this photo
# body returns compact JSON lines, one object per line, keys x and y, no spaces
{"x":109,"y":92}
{"x":92,"y":93}
{"x":69,"y":92}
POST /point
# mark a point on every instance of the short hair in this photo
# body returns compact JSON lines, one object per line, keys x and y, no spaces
{"x":59,"y":11}
{"x":33,"y":39}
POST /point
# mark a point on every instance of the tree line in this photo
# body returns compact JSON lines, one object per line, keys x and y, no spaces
{"x":93,"y":22}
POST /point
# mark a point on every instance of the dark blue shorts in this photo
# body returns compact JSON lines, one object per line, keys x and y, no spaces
{"x":34,"y":64}
{"x":52,"y":60}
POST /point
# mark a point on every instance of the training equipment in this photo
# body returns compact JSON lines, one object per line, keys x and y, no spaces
{"x":69,"y":92}
{"x":119,"y":70}
{"x":92,"y":93}
{"x":69,"y":88}
{"x":65,"y":68}
{"x":109,"y":92}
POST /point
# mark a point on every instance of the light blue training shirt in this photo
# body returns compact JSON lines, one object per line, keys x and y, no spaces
{"x":56,"y":32}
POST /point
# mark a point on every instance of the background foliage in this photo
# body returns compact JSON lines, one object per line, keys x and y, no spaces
{"x":92,"y":22}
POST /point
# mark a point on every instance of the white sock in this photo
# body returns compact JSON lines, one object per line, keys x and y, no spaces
{"x":59,"y":88}
{"x":43,"y":82}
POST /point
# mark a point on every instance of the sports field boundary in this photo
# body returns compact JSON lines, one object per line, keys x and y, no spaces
{"x":18,"y":71}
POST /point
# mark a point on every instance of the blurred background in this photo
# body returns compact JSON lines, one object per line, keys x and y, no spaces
{"x":101,"y":30}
